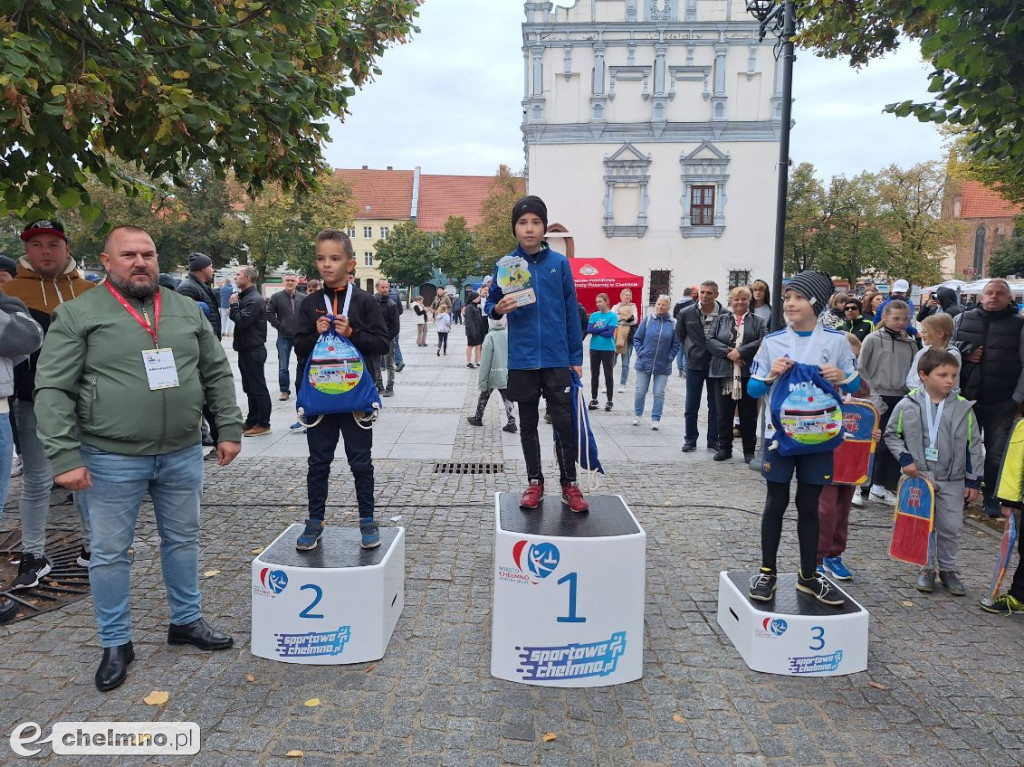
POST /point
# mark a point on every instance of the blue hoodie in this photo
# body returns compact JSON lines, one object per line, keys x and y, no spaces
{"x":656,"y":344}
{"x":547,"y":333}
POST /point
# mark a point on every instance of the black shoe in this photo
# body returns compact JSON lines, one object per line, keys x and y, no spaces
{"x":114,"y":667}
{"x":821,"y":589}
{"x":689,"y":447}
{"x":84,"y":555}
{"x":510,"y":427}
{"x":608,"y":406}
{"x":762,"y":585}
{"x":400,"y":368}
{"x":592,"y":405}
{"x":8,"y":607}
{"x":389,"y":392}
{"x":200,"y":634}
{"x":30,"y":570}
{"x":469,"y":365}
{"x":475,"y":420}
{"x":211,"y":456}
{"x":722,"y":454}
{"x":748,"y":457}
{"x":439,"y":352}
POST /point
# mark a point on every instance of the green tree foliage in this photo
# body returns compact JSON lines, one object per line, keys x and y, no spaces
{"x":882,"y":224}
{"x":281,"y":227}
{"x":493,"y":235}
{"x":974,"y":48}
{"x":175,"y":85}
{"x":456,"y":255}
{"x":1008,"y":258}
{"x":407,"y":256}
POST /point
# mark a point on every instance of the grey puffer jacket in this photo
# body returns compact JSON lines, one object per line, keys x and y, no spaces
{"x":20,"y":335}
{"x":885,"y":361}
{"x":958,"y":440}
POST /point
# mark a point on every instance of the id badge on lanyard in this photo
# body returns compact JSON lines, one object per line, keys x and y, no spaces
{"x":931,"y":453}
{"x":161,"y":370}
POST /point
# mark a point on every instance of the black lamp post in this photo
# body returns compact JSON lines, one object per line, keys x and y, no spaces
{"x":779,"y":18}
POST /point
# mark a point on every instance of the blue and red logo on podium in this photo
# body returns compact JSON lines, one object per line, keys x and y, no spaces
{"x":272,"y":582}
{"x":772,"y":627}
{"x":533,"y":562}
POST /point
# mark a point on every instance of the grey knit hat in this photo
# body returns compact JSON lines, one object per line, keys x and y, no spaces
{"x":815,"y":286}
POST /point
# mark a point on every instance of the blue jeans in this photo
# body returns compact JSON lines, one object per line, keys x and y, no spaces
{"x":681,"y":359}
{"x":6,"y":457}
{"x":624,"y":358}
{"x":643,"y":381}
{"x":119,"y":483}
{"x":695,"y":384}
{"x":284,"y":355}
{"x":398,"y":354}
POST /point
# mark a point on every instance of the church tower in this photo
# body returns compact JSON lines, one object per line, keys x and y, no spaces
{"x":651,"y":129}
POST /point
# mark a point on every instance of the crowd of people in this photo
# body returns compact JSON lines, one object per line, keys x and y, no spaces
{"x":111,"y":384}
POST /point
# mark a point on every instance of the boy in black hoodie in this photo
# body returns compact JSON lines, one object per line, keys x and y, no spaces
{"x":366,"y":329}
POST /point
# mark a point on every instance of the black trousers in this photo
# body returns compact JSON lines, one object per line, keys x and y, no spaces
{"x":775,"y":505}
{"x":526,"y":387}
{"x":601,"y":359}
{"x":322,"y":441}
{"x":994,"y":420}
{"x":485,"y":396}
{"x":887,"y":468}
{"x":748,"y":416}
{"x":254,"y":384}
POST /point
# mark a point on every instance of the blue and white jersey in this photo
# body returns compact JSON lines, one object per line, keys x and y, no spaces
{"x":813,"y":347}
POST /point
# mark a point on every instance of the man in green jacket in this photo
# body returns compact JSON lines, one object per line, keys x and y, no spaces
{"x":120,"y":387}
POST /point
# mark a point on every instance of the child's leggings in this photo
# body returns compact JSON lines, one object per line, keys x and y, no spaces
{"x":806,"y":524}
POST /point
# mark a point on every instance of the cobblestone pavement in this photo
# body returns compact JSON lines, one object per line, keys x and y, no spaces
{"x":942,"y":687}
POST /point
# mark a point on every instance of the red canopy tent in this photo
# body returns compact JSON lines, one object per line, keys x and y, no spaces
{"x":595,"y":275}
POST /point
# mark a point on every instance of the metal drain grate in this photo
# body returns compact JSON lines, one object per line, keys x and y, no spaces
{"x":66,"y":582}
{"x":464,"y":467}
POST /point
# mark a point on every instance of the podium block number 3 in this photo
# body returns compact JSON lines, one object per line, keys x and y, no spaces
{"x":817,"y":638}
{"x":318,"y":594}
{"x":572,"y":617}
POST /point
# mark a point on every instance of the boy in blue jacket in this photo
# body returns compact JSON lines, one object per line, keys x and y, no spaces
{"x":544,"y":341}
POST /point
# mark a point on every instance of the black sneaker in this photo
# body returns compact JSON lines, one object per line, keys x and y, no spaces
{"x":83,"y":557}
{"x":689,"y":447}
{"x":475,"y":420}
{"x":399,"y":368}
{"x":510,"y":427}
{"x":821,"y":589}
{"x":762,"y":585}
{"x":31,"y":569}
{"x":593,"y":405}
{"x":608,"y":406}
{"x":8,"y":608}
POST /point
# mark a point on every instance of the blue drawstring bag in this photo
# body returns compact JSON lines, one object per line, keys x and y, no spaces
{"x":806,"y":412}
{"x":586,"y":445}
{"x":337,"y":378}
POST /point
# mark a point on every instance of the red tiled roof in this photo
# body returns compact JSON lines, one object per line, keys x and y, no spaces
{"x":444,"y":196}
{"x":383,"y":194}
{"x":978,"y":201}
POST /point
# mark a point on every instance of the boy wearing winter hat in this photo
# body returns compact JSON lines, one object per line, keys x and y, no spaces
{"x":544,"y":341}
{"x":805,"y":341}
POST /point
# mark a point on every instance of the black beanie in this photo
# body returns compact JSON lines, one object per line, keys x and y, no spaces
{"x":530,"y":204}
{"x":197,"y":261}
{"x":9,"y":265}
{"x":816,"y":287}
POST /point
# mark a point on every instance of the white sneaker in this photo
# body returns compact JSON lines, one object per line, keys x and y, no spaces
{"x":858,"y":499}
{"x":882,"y":496}
{"x":636,"y":421}
{"x":654,"y":426}
{"x":622,"y":389}
{"x":17,"y":466}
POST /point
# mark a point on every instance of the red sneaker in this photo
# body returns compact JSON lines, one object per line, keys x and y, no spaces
{"x":533,"y":496}
{"x":573,"y":498}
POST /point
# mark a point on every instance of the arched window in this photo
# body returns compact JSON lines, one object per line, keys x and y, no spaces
{"x":980,"y":235}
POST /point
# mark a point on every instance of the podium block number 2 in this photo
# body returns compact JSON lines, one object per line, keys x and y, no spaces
{"x":572,"y":617}
{"x":318,"y":594}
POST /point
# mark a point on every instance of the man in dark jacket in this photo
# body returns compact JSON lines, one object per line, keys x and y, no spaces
{"x":692,"y":330}
{"x":249,"y":313}
{"x":197,"y":287}
{"x":389,"y":309}
{"x":281,"y":309}
{"x":682,"y":303}
{"x":991,"y":340}
{"x":396,"y":296}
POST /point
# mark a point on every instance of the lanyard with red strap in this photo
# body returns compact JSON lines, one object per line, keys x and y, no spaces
{"x":151,"y":329}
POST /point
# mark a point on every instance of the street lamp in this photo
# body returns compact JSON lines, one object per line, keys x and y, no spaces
{"x":780,"y":20}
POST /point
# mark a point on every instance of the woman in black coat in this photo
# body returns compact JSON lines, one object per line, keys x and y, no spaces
{"x":476,"y":329}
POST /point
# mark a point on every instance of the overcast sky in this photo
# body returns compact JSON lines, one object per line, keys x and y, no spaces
{"x":449,"y":101}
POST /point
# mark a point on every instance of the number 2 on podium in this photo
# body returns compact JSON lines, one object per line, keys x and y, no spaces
{"x":572,"y":617}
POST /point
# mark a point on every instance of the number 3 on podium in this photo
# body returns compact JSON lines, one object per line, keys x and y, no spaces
{"x":572,"y":617}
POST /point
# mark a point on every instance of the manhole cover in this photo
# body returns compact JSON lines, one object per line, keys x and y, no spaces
{"x":455,"y":467}
{"x":66,"y":582}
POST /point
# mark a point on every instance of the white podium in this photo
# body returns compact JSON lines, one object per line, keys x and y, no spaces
{"x":568,"y":593}
{"x":336,"y":604}
{"x":794,"y":634}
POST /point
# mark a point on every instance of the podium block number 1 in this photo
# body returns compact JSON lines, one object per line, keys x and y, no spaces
{"x":572,"y":617}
